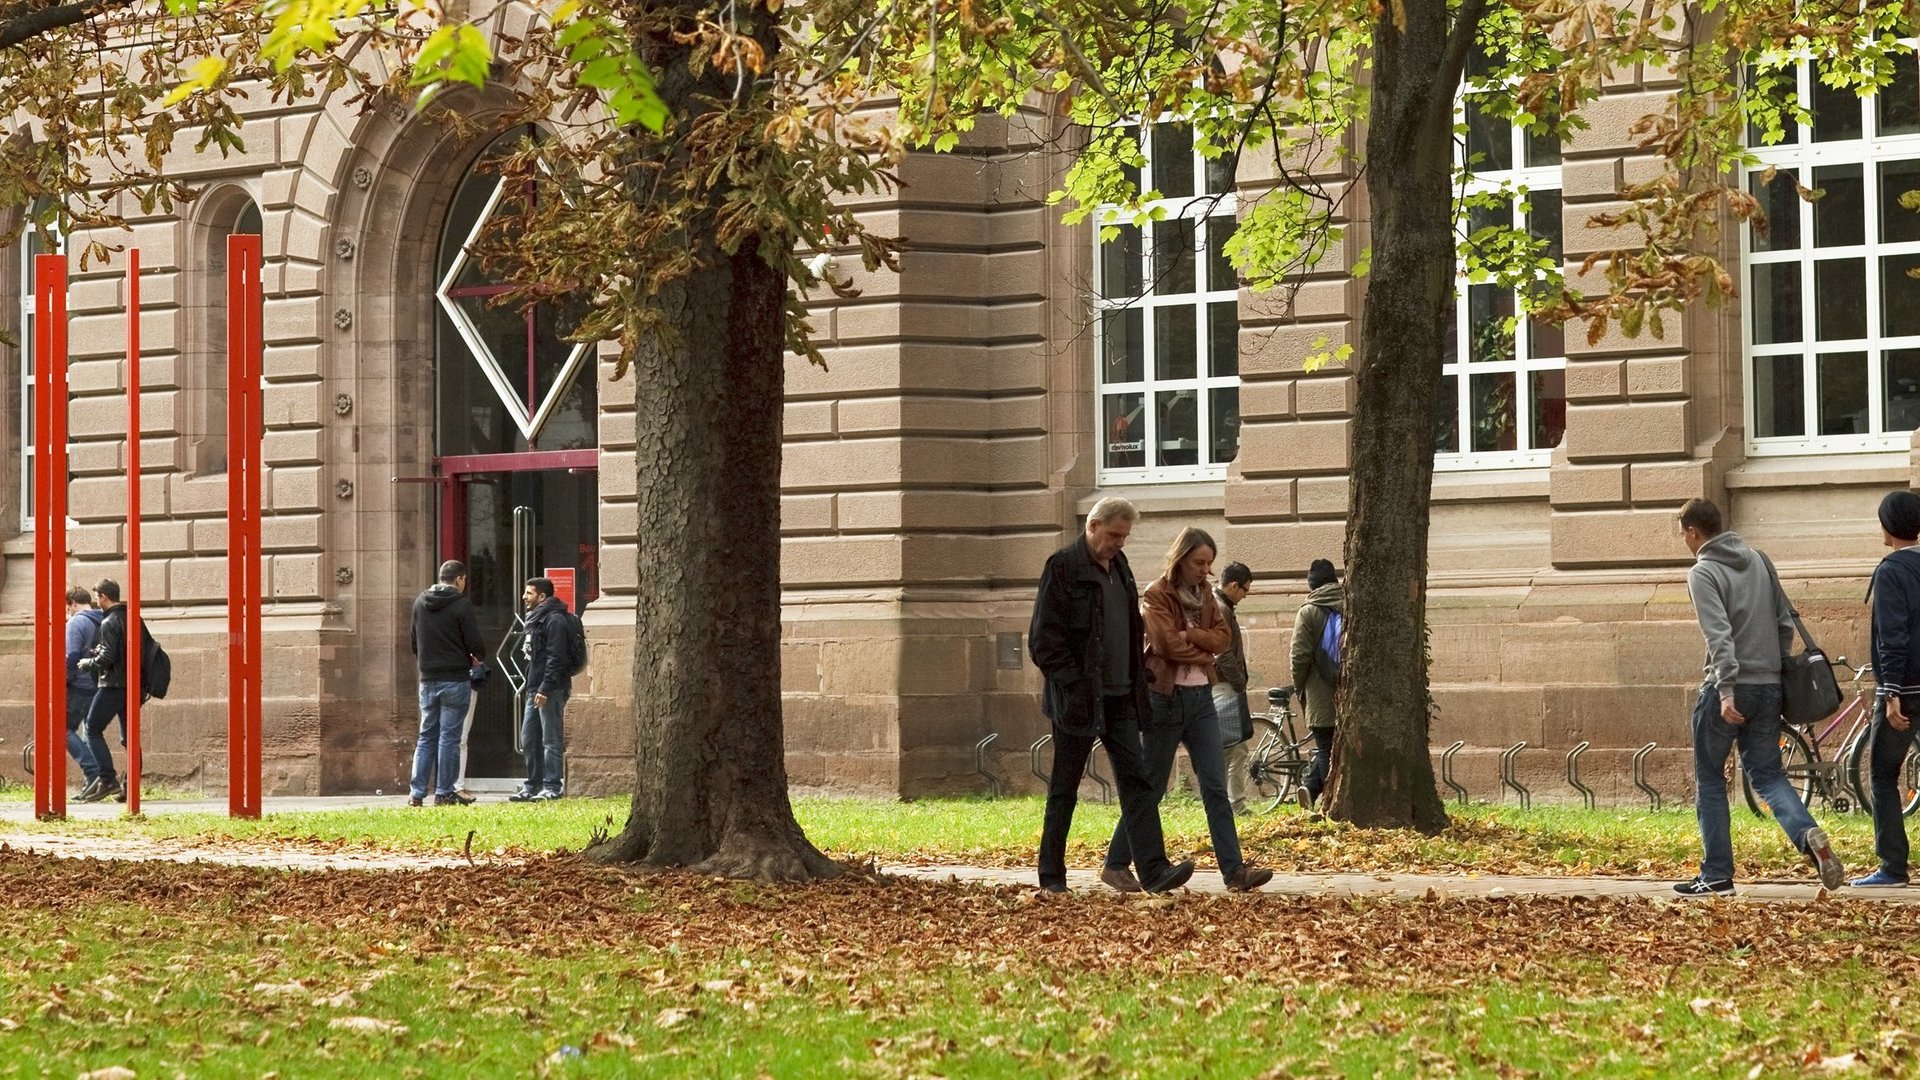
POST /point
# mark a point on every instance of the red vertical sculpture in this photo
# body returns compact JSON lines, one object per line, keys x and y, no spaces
{"x":50,"y":534}
{"x":244,"y":422}
{"x":135,"y":639}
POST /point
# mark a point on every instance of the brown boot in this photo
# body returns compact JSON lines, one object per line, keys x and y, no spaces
{"x":1120,"y":879}
{"x":1248,"y":878}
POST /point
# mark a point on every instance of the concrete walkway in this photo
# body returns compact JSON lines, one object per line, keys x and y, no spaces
{"x":22,"y":810}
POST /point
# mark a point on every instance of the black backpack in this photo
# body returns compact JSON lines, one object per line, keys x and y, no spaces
{"x":576,"y":643}
{"x":156,"y":667}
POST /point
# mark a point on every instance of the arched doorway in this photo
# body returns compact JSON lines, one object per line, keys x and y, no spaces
{"x":515,"y":445}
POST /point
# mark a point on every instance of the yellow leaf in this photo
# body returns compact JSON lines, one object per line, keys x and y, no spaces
{"x":205,"y":74}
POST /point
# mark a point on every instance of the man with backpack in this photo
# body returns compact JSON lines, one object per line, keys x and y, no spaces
{"x":108,"y":665}
{"x":1317,"y":627}
{"x":555,"y":649}
{"x":83,"y":633}
{"x":1896,"y":668}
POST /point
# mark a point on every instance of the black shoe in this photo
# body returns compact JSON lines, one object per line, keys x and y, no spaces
{"x":1702,"y":887}
{"x":93,"y":792}
{"x":455,"y":799}
{"x":1176,"y":876}
{"x":110,"y":789}
{"x":1248,"y":878}
{"x":524,"y":794}
{"x":120,"y":794}
{"x":1053,"y":887}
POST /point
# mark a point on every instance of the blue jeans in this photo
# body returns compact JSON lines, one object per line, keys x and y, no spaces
{"x":1187,"y":716}
{"x":1889,"y":795}
{"x":543,"y":744}
{"x":80,"y":700}
{"x":436,"y":756}
{"x":109,"y":704}
{"x":1759,"y":742}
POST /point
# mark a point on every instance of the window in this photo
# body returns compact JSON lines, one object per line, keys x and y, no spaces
{"x":1832,"y":314}
{"x":208,"y":380}
{"x":1167,"y":322}
{"x":1503,"y":384}
{"x":31,"y":243}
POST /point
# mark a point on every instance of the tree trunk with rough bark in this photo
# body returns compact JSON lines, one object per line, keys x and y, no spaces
{"x":1382,"y":775}
{"x":711,"y":779}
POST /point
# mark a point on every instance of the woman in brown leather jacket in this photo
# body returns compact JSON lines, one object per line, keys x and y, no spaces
{"x":1184,"y":631}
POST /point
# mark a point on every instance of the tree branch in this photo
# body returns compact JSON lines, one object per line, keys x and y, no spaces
{"x":17,"y":28}
{"x":1466,"y":27}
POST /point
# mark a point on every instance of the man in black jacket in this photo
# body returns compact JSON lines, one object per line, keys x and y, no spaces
{"x":108,"y":667}
{"x":1896,"y":670}
{"x":549,"y":652}
{"x":445,"y":639}
{"x":1087,"y":638}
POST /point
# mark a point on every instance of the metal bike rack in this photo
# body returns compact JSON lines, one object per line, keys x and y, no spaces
{"x":1033,"y":758}
{"x":980,"y":763}
{"x":1573,"y":773}
{"x":1509,"y":759}
{"x":1640,"y":774}
{"x":1093,"y":773}
{"x":1446,"y":770}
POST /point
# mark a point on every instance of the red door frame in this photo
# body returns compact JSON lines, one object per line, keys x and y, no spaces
{"x":450,"y":470}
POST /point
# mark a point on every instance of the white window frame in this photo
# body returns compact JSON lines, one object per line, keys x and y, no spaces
{"x":1803,"y":156}
{"x":25,"y":247}
{"x":1519,"y":183}
{"x":1199,"y":208}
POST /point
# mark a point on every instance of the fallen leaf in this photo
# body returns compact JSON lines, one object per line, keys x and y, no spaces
{"x":367,"y":1024}
{"x":111,"y":1072}
{"x":670,"y":1018}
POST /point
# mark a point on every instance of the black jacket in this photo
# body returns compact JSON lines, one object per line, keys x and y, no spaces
{"x":548,"y":652}
{"x":110,"y":648}
{"x":446,"y":634}
{"x":1065,"y":639}
{"x":1896,"y":610}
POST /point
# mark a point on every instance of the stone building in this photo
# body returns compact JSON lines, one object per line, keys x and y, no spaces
{"x":972,"y":408}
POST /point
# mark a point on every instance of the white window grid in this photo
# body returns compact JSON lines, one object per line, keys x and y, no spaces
{"x":29,"y":245}
{"x":1212,"y":215}
{"x":1532,"y":351}
{"x":1802,"y":156}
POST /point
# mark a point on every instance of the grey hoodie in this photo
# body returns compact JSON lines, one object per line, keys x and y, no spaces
{"x":1747,"y":626}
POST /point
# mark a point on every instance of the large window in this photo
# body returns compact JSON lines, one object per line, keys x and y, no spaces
{"x":1167,"y":331}
{"x":1832,"y":313}
{"x":208,"y":379}
{"x":1503,"y":397}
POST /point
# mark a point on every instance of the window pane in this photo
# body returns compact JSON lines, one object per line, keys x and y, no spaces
{"x":1897,"y":105}
{"x":1897,"y":223}
{"x":1779,"y":396}
{"x":1543,"y":148}
{"x":1446,"y":422}
{"x":1496,"y":215}
{"x":1120,"y":264}
{"x":1840,"y":299}
{"x":1543,"y":221}
{"x":1224,"y":419}
{"x":1489,"y":138}
{"x":1836,"y":112}
{"x":1173,"y":243}
{"x":1839,"y":215}
{"x":1219,"y":174}
{"x":1778,"y":85}
{"x":1450,"y":341}
{"x":1488,"y":309}
{"x":1776,"y":303}
{"x":1220,"y":272}
{"x":1843,"y":393}
{"x":1900,"y":383}
{"x":1173,"y":160}
{"x":1492,"y":406}
{"x":1122,"y":346}
{"x":1223,"y":343}
{"x":1132,"y":172}
{"x":1178,"y":415}
{"x":1780,"y":201}
{"x":1549,"y":408}
{"x":1175,"y":330}
{"x":1126,"y":428}
{"x":1545,"y":339}
{"x":1899,"y":296}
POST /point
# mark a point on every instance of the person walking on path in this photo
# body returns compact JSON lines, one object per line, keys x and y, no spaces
{"x":83,"y":633}
{"x":1185,"y":630}
{"x":1895,"y":594}
{"x":549,"y":648}
{"x":445,"y":638}
{"x":1748,"y":626}
{"x":1230,"y":691}
{"x":1311,"y":666}
{"x":108,"y":665}
{"x":1085,"y":638}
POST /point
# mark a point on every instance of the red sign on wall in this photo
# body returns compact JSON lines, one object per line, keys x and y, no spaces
{"x":562,"y":586}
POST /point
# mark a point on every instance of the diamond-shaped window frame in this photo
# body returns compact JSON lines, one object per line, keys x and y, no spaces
{"x":529,"y":422}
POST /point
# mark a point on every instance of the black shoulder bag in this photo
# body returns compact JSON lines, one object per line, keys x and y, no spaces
{"x":1811,"y":691}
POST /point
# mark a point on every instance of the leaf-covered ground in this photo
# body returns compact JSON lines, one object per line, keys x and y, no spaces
{"x":556,"y":967}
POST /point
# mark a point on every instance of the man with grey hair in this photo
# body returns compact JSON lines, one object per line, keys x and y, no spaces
{"x":1087,"y":638}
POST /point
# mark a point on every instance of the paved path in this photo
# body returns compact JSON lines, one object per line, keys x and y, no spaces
{"x":22,"y":809}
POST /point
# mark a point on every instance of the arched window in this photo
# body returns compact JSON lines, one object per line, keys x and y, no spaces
{"x":206,"y":381}
{"x":31,"y":242}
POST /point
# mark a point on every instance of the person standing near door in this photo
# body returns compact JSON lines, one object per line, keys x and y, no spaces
{"x":549,"y":650}
{"x":445,"y":637}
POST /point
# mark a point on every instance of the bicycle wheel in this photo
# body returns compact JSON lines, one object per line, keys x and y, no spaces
{"x":1858,"y":765}
{"x":1265,"y":785}
{"x":1797,"y":760}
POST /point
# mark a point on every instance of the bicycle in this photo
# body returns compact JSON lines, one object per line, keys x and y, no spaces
{"x":1277,"y":764}
{"x":1835,"y":779}
{"x":1858,"y":769}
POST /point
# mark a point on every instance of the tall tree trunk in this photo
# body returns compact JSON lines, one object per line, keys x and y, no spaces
{"x":711,"y":778}
{"x":1382,"y":775}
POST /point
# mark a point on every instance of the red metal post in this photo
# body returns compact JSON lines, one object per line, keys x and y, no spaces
{"x":244,"y":422}
{"x":50,"y":539}
{"x":135,"y":639}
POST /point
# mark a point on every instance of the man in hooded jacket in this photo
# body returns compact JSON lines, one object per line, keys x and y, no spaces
{"x":1896,"y":669}
{"x":1314,"y":692}
{"x":549,"y":653}
{"x":445,"y":639}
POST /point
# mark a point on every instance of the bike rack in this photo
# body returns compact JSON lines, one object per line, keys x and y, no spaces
{"x":1093,"y":773}
{"x":1446,"y":770}
{"x":1508,"y":761}
{"x":1033,"y":758}
{"x":980,"y":763}
{"x":1640,"y":774}
{"x":1573,"y":773}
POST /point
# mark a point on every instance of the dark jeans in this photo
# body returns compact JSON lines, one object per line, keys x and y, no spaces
{"x":109,"y":704}
{"x":1759,"y":742}
{"x":543,"y":743}
{"x":1316,"y":780}
{"x":1139,"y":806}
{"x":1187,"y":716}
{"x":443,"y":719}
{"x":78,"y":702}
{"x":1889,"y":797}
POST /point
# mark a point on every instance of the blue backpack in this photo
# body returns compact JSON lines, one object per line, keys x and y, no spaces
{"x":1326,"y":657}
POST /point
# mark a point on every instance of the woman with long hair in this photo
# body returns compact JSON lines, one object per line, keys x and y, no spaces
{"x":1185,"y":631}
